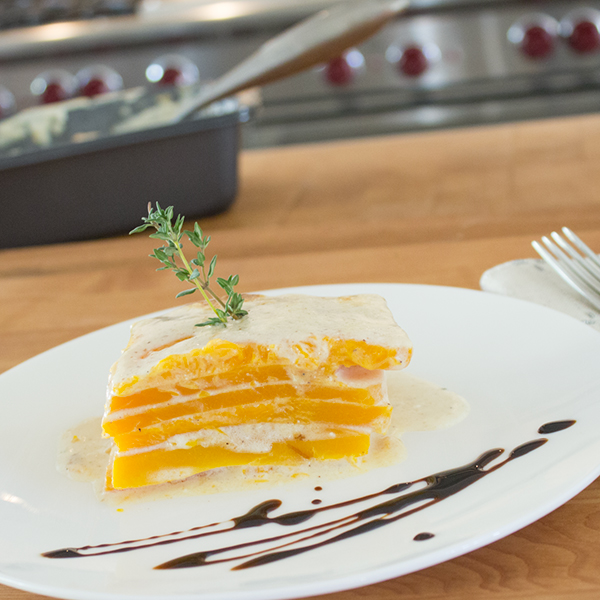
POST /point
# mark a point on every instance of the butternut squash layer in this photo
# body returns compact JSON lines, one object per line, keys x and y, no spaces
{"x":328,"y":413}
{"x":261,"y":375}
{"x":220,"y":356}
{"x":114,"y":426}
{"x":162,"y":466}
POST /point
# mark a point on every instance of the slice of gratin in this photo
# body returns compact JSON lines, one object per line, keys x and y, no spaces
{"x":300,"y":378}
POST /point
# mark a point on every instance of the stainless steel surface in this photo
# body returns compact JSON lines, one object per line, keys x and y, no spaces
{"x":22,"y":13}
{"x":313,"y":41}
{"x":157,"y":22}
{"x":476,"y":76}
{"x":474,"y":73}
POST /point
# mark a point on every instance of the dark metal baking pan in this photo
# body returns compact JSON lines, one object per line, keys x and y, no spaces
{"x":96,"y":175}
{"x":90,"y":182}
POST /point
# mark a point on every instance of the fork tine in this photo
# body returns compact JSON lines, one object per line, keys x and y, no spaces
{"x":562,"y":258}
{"x":556,"y":237}
{"x":581,"y":245}
{"x":567,"y":275}
{"x":574,"y":267}
{"x":585,"y":263}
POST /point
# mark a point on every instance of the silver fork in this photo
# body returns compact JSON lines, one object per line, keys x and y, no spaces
{"x":578,"y":266}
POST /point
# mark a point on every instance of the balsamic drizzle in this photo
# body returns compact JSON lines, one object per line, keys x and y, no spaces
{"x":555,"y":426}
{"x":420,"y":537}
{"x":438,"y":487}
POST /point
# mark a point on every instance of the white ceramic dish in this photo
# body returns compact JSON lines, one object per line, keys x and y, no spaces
{"x":519,"y":366}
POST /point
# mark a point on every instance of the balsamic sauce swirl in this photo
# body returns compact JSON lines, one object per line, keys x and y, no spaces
{"x":555,"y":426}
{"x":409,"y":498}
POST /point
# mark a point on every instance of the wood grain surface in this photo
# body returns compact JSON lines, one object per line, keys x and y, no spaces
{"x":435,"y":208}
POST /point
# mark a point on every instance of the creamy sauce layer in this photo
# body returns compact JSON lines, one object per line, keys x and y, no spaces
{"x":83,"y":453}
{"x":277,"y":322}
{"x":418,"y":405}
{"x":248,"y":437}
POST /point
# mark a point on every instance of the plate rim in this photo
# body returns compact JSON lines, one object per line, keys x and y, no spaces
{"x":339,"y":583}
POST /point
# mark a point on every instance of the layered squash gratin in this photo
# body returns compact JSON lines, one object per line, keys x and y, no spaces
{"x":299,"y":379}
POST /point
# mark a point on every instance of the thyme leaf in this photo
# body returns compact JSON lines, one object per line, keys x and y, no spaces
{"x":172,"y":257}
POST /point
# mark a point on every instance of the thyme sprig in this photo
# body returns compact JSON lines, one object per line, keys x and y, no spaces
{"x":194,"y":271}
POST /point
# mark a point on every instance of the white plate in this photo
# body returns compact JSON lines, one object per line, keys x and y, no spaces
{"x":519,"y":366}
